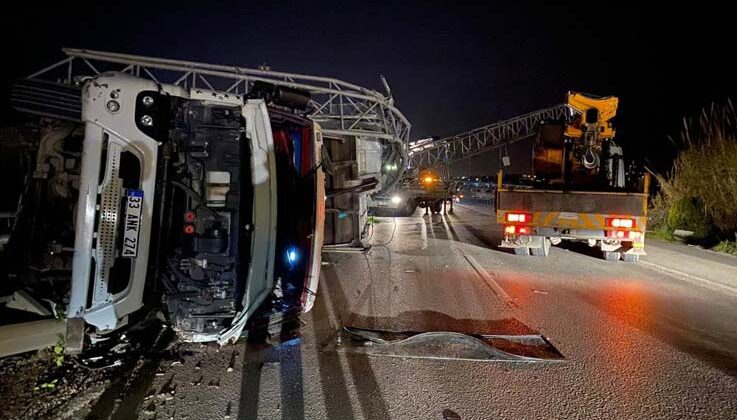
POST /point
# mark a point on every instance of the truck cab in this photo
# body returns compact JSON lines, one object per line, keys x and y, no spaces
{"x":214,"y":201}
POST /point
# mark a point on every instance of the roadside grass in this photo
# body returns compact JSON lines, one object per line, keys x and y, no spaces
{"x":662,"y":232}
{"x":699,"y":194}
{"x":727,"y":247}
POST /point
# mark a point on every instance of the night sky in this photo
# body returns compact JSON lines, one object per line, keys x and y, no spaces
{"x":452,"y":66}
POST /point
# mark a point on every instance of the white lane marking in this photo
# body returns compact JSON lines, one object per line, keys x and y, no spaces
{"x":489,"y":280}
{"x":689,"y":277}
{"x":423,"y":232}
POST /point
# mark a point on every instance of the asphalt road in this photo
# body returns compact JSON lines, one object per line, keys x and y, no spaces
{"x":648,"y":340}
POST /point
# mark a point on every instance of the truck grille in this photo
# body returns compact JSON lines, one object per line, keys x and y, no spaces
{"x":110,"y":195}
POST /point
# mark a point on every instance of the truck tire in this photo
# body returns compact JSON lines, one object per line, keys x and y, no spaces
{"x":408,"y":209}
{"x":522,"y":250}
{"x":543,"y":251}
{"x":611,"y":256}
{"x":631,"y":257}
{"x":437,"y":207}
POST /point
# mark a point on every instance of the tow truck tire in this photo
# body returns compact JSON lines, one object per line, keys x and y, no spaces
{"x":522,"y":250}
{"x":543,"y":251}
{"x":630,"y":257}
{"x":408,"y":209}
{"x":611,"y":256}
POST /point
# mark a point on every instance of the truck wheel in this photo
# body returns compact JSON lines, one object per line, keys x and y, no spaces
{"x":631,"y":257}
{"x":522,"y":250}
{"x":611,"y":256}
{"x":543,"y":251}
{"x":410,"y":207}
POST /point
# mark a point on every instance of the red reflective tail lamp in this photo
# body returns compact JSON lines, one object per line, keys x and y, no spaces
{"x":517,"y":230}
{"x":621,"y":234}
{"x":621,"y":223}
{"x":189,"y":229}
{"x":519,"y":217}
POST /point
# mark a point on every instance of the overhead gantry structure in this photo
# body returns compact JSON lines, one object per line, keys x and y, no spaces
{"x":340,"y":107}
{"x":448,"y":150}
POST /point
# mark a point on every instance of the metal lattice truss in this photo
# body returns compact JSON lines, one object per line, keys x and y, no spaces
{"x":471,"y":143}
{"x":341,"y":108}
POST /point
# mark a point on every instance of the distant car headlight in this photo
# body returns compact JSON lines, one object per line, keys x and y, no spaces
{"x":396,"y":199}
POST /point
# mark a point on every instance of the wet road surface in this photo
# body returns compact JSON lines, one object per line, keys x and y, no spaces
{"x":646,"y":341}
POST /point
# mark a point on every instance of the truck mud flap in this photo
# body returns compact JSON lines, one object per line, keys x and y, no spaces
{"x":443,"y":345}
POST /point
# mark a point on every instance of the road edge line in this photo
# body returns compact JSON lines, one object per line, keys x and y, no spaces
{"x":689,"y":277}
{"x":489,"y":280}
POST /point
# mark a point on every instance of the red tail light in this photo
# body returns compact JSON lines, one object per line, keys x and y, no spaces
{"x":518,"y":217}
{"x":189,"y":229}
{"x":621,"y":234}
{"x":517,"y":230}
{"x":621,"y":223}
{"x":190,"y":216}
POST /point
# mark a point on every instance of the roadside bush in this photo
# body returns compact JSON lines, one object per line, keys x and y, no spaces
{"x":728,"y":247}
{"x":657,"y":216}
{"x":688,"y":214}
{"x":700,"y":193}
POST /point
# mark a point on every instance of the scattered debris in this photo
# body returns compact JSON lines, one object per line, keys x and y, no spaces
{"x":150,"y":410}
{"x":232,"y":361}
{"x":23,"y":301}
{"x":449,"y":414}
{"x":151,"y":392}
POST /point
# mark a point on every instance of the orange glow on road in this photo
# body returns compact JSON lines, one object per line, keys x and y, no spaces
{"x":627,"y":301}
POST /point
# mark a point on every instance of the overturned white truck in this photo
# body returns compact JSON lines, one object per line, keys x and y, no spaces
{"x":211,"y":195}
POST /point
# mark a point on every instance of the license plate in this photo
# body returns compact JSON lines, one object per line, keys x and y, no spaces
{"x":133,"y":207}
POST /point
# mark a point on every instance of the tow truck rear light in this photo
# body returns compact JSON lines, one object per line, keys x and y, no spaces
{"x":621,"y":223}
{"x":517,"y":230}
{"x":621,"y":234}
{"x":189,"y":229}
{"x":518,"y":217}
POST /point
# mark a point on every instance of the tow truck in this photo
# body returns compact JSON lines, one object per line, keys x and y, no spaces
{"x":578,"y":190}
{"x":428,"y":191}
